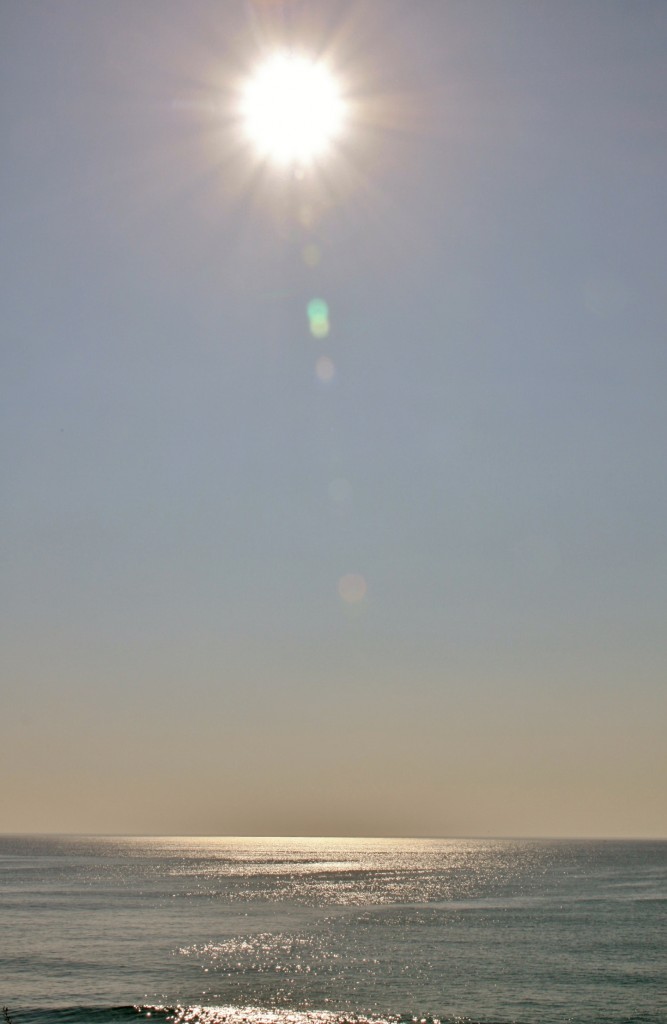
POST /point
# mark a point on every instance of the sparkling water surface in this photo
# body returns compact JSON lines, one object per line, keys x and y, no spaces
{"x":319,"y":931}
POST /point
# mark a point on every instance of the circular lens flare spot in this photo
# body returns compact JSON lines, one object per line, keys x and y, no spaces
{"x":318,"y":317}
{"x":318,"y":310}
{"x":292,"y":108}
{"x":352,"y":588}
{"x":320,"y":328}
{"x":325,"y":369}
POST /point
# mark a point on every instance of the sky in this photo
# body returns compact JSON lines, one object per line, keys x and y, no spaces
{"x":406,"y":579}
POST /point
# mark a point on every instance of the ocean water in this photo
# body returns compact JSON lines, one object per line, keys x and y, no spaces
{"x":325,"y":931}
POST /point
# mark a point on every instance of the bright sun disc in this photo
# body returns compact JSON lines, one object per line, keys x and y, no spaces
{"x":292,"y":109}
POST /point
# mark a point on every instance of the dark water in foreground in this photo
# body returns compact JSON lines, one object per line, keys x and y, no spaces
{"x":320,"y":931}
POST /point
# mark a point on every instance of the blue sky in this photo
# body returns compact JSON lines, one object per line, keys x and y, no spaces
{"x":183,"y":494}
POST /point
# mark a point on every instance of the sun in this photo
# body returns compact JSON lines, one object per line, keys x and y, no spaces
{"x":292,"y":109}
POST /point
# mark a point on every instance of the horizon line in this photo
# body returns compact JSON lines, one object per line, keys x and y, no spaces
{"x":444,"y":838}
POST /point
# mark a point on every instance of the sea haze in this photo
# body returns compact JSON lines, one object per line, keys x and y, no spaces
{"x":323,"y":930}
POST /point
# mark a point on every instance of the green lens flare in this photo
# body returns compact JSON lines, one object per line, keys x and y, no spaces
{"x":318,"y":316}
{"x":318,"y":310}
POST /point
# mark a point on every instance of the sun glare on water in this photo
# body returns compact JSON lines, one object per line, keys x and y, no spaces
{"x":292,"y":109}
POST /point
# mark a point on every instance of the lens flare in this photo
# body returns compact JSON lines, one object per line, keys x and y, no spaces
{"x":318,"y":318}
{"x":352,"y":588}
{"x":325,"y":369}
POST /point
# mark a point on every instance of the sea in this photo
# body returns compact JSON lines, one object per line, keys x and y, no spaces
{"x":98,"y":930}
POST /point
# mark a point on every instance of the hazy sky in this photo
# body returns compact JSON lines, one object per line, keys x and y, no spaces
{"x":183,"y":494}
